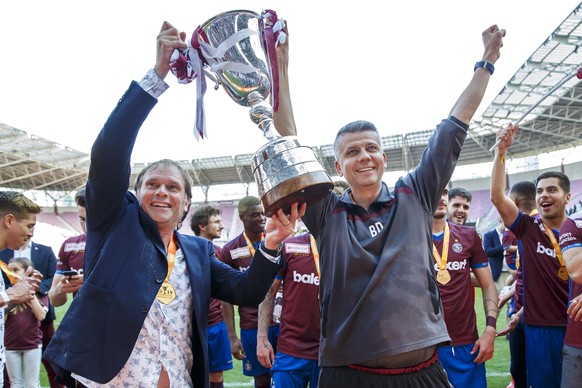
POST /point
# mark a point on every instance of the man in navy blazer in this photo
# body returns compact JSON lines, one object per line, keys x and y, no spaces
{"x":141,"y":314}
{"x":44,"y":260}
{"x":494,"y":249}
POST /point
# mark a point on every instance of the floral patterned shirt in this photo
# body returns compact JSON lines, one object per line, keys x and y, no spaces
{"x":164,"y":341}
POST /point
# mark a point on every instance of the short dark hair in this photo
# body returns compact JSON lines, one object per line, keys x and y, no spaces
{"x":460,"y":192}
{"x":15,"y":203}
{"x":80,"y":199}
{"x":353,"y":127}
{"x":201,"y":217}
{"x":524,"y":189}
{"x":564,"y":181}
{"x":247,"y":202}
{"x":169,"y":163}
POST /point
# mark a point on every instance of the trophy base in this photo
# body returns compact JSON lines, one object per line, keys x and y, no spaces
{"x":309,"y":188}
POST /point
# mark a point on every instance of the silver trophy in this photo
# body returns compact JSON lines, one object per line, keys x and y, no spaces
{"x":236,"y":55}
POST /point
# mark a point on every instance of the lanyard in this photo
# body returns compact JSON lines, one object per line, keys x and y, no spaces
{"x":250,"y":244}
{"x":555,"y":244}
{"x":442,"y":260}
{"x":315,"y":254}
{"x":171,"y":256}
{"x":517,"y":258}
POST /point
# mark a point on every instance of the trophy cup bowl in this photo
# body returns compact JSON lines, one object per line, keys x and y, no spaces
{"x":234,"y":49}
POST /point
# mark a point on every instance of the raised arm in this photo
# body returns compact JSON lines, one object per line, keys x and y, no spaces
{"x":469,"y":101}
{"x":283,"y":118}
{"x":505,"y":206}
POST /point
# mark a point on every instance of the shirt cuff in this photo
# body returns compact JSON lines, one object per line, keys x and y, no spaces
{"x":153,"y":84}
{"x":271,"y":258}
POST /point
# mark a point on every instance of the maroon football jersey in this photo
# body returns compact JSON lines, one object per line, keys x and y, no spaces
{"x":72,"y":254}
{"x":215,"y":308}
{"x":299,"y":336}
{"x":545,"y":295}
{"x":237,"y":254}
{"x":571,"y":237}
{"x":458,"y":297}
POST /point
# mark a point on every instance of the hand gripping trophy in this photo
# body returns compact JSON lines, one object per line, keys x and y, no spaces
{"x":236,"y":49}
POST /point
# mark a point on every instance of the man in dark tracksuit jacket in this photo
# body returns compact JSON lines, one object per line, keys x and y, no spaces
{"x":381,"y":315}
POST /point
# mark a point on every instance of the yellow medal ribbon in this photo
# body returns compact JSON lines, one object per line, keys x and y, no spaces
{"x":562,"y":272}
{"x":315,"y":254}
{"x":517,"y":259}
{"x":443,"y":275}
{"x":14,"y":278}
{"x":250,"y":244}
{"x":167,"y":293}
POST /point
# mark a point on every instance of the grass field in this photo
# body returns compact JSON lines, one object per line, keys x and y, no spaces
{"x":497,"y":368}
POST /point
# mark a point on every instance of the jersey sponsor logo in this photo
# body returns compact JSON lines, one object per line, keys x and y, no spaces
{"x":297,"y":248}
{"x":578,"y":223}
{"x":457,"y":247}
{"x":375,"y":228}
{"x":240,"y":252}
{"x":566,"y":237}
{"x":453,"y":265}
{"x":546,"y":251}
{"x":75,"y":246}
{"x":306,"y":278}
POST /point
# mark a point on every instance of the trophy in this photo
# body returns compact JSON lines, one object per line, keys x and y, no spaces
{"x":236,"y":49}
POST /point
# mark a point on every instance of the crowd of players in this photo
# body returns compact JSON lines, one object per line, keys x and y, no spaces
{"x":379,"y":292}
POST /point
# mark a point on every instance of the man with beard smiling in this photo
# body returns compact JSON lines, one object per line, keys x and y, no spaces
{"x":459,"y":205}
{"x":545,"y":278}
{"x":238,"y":253}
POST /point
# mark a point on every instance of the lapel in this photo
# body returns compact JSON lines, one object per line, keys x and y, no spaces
{"x":192,"y":251}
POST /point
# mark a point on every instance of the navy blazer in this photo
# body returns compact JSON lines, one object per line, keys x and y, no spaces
{"x":44,"y":260}
{"x":494,"y":250}
{"x":125,"y":265}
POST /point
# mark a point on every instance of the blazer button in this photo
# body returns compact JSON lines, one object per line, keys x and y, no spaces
{"x":159,"y":280}
{"x":144,"y":309}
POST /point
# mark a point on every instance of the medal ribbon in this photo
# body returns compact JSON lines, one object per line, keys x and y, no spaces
{"x":315,"y":254}
{"x":171,"y":256}
{"x":250,"y":244}
{"x":442,"y":260}
{"x":517,"y":259}
{"x":14,"y":278}
{"x":555,"y":244}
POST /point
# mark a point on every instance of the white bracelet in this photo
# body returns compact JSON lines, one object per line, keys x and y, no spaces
{"x":5,"y":297}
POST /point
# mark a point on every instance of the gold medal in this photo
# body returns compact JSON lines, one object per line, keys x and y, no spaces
{"x":443,"y":276}
{"x":166,"y":293}
{"x":563,"y":273}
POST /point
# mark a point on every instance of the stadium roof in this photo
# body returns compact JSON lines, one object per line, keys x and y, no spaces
{"x":29,"y":162}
